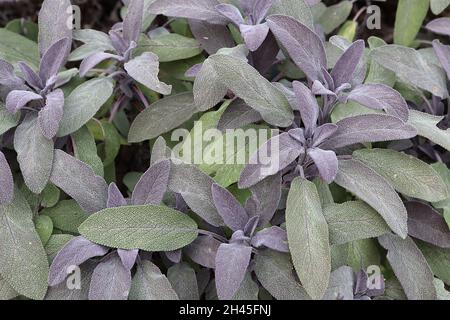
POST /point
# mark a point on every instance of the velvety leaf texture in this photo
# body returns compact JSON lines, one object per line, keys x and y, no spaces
{"x":110,"y":280}
{"x":412,"y":68}
{"x":192,"y":9}
{"x":82,"y":104}
{"x":165,"y":115}
{"x":308,"y":237}
{"x":406,"y":174}
{"x":231,"y":264}
{"x":152,"y":186}
{"x":23,"y":262}
{"x":276,"y":273}
{"x":256,"y":91}
{"x":303,"y":45}
{"x":353,"y":221}
{"x":375,"y":191}
{"x":248,"y":150}
{"x":410,"y":267}
{"x":34,"y":154}
{"x":6,"y":180}
{"x":369,"y":128}
{"x":79,"y":181}
{"x":54,"y":23}
{"x":150,"y":284}
{"x":150,"y":228}
{"x":195,"y":188}
{"x":144,"y":69}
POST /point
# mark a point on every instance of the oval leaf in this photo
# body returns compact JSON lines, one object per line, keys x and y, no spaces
{"x":410,"y":267}
{"x":376,"y":191}
{"x":79,"y":181}
{"x":34,"y":154}
{"x":23,"y":261}
{"x":308,"y":237}
{"x":407,"y":174}
{"x":162,"y":116}
{"x":247,"y":83}
{"x":83,"y":103}
{"x":354,"y":220}
{"x":149,"y":228}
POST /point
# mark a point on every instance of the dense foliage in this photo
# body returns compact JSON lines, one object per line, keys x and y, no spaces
{"x":121,"y":178}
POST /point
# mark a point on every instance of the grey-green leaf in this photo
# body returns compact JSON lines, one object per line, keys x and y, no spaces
{"x":409,"y":20}
{"x":150,"y":284}
{"x":407,"y":174}
{"x":247,"y":83}
{"x":34,"y":154}
{"x":83,"y":103}
{"x":208,"y":89}
{"x":354,"y":220}
{"x":442,"y":293}
{"x":67,"y":216}
{"x":23,"y":261}
{"x":184,"y":281}
{"x":6,"y":291}
{"x":410,"y":267}
{"x":248,"y":290}
{"x":438,"y":259}
{"x":195,"y":187}
{"x":149,"y":228}
{"x":426,"y":125}
{"x":297,"y":9}
{"x":276,"y":273}
{"x":7,"y":119}
{"x":15,"y":48}
{"x":438,"y":6}
{"x":308,"y":237}
{"x":364,"y":182}
{"x":171,"y":47}
{"x":162,"y":116}
{"x":411,"y":67}
{"x":335,"y":15}
{"x":55,"y":23}
{"x":341,"y":284}
{"x":144,"y":69}
{"x":85,"y":150}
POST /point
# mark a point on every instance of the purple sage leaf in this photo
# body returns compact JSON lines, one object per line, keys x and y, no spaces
{"x":254,"y":36}
{"x":273,"y":238}
{"x":369,"y":128}
{"x":428,"y":225}
{"x":17,"y":99}
{"x":54,"y":59}
{"x":110,"y":280}
{"x":326,"y":162}
{"x":303,"y":45}
{"x":229,"y":208}
{"x":232,"y":261}
{"x":381,"y":97}
{"x":115,"y":197}
{"x":275,"y":155}
{"x":440,"y":26}
{"x":152,"y":186}
{"x":128,"y":257}
{"x":346,"y":65}
{"x":133,"y":21}
{"x":50,"y":115}
{"x":74,"y":253}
